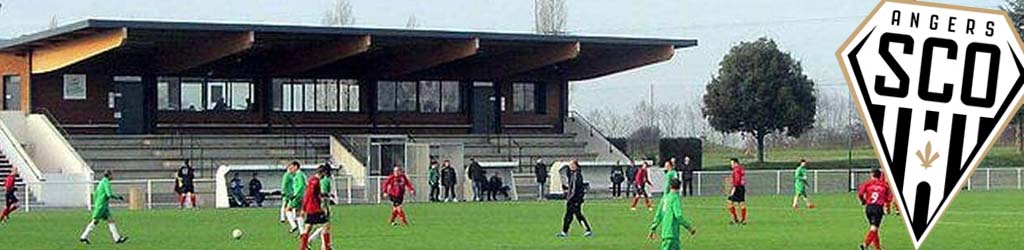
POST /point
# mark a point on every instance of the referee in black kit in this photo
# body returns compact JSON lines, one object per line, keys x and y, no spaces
{"x":574,"y":191}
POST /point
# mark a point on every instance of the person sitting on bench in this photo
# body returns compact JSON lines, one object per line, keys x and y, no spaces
{"x":497,"y":186}
{"x":256,"y":190}
{"x":235,"y":187}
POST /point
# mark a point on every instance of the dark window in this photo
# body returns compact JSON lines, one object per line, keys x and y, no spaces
{"x":430,"y":96}
{"x":451,"y":97}
{"x":523,"y":97}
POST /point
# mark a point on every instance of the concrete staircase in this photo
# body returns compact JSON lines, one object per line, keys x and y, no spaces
{"x":158,"y":156}
{"x":5,"y":170}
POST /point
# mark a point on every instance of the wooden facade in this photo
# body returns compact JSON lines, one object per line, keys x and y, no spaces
{"x":169,"y":77}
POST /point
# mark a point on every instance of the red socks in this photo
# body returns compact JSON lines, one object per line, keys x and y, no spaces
{"x":732,"y":210}
{"x":394,"y":214}
{"x":326,"y":237}
{"x":647,"y":201}
{"x":872,"y":239}
{"x":304,"y":241}
{"x":193,"y":199}
{"x":181,"y":200}
{"x":635,"y":200}
{"x":401,"y":214}
{"x":744,"y":215}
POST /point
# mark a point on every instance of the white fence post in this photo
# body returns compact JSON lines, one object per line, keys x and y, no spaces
{"x":698,"y":183}
{"x":815,"y":181}
{"x":28,"y":190}
{"x":149,"y":194}
{"x":1018,"y":179}
{"x":348,"y":188}
{"x":778,"y":181}
{"x":988,"y":179}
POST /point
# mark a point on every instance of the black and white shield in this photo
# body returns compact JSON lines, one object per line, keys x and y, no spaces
{"x":935,"y":85}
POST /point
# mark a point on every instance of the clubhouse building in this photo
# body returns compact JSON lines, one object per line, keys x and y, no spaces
{"x":159,"y":77}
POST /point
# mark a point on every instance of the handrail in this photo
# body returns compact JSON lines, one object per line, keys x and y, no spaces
{"x":307,"y":141}
{"x":53,"y":120}
{"x":573,"y":114}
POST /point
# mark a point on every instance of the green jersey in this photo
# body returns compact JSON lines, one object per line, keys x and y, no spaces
{"x":671,"y":174}
{"x":101,"y":200}
{"x":670,"y":217}
{"x":432,"y":176}
{"x":299,"y":184}
{"x":286,"y":184}
{"x":325,"y":185}
{"x":800,"y":178}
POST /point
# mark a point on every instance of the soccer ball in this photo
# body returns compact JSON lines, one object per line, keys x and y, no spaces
{"x":237,"y":234}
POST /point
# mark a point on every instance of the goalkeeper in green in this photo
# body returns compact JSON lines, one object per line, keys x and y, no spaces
{"x":800,"y":186}
{"x":101,"y":210}
{"x":670,"y":217}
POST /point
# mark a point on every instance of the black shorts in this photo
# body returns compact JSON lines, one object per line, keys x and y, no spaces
{"x":740,"y":195}
{"x":11,"y":198}
{"x":397,"y":200}
{"x":186,"y":187}
{"x":641,"y":190}
{"x":875,"y":213}
{"x":317,"y":218}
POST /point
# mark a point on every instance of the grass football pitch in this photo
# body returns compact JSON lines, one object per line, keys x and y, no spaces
{"x":977,"y":220}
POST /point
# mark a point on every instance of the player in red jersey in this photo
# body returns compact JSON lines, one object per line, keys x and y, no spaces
{"x":641,"y":180}
{"x":316,"y":211}
{"x":12,"y":199}
{"x":889,"y":205}
{"x":394,"y":188}
{"x":738,"y":195}
{"x":874,"y":194}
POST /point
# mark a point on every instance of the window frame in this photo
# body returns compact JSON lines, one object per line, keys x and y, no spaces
{"x":306,"y":95}
{"x":520,"y":103}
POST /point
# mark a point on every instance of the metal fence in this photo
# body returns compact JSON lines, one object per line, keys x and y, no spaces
{"x":159,"y":193}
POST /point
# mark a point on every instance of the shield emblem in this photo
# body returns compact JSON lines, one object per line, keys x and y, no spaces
{"x":935,"y":85}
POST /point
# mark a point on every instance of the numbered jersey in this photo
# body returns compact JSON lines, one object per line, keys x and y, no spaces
{"x":874,"y":192}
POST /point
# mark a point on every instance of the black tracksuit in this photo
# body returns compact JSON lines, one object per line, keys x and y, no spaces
{"x":448,"y":181}
{"x":575,"y":191}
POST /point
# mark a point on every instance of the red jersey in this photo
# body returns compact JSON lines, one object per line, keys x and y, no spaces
{"x":9,"y":183}
{"x":874,"y":192}
{"x":641,"y":177}
{"x":311,"y":200}
{"x":395,"y":185}
{"x":739,"y":176}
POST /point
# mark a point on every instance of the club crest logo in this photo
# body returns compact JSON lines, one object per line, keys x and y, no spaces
{"x":935,"y":85}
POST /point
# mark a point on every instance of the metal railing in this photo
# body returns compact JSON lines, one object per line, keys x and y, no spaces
{"x":591,"y":128}
{"x":159,"y":193}
{"x":53,"y":120}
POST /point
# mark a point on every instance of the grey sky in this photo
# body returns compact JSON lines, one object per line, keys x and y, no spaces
{"x":810,"y":30}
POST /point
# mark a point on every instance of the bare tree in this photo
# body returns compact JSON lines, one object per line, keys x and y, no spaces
{"x":411,"y":22}
{"x":340,"y":14}
{"x":550,"y":16}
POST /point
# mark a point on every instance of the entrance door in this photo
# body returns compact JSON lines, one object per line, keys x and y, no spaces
{"x":484,"y":113}
{"x":12,"y":92}
{"x":128,"y":105}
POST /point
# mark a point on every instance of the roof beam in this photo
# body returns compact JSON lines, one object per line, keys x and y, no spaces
{"x":57,"y":56}
{"x":588,"y":67}
{"x":198,"y":53}
{"x":307,"y":59}
{"x":425,"y":57}
{"x":520,"y":61}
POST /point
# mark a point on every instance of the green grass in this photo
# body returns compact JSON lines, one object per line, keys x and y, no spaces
{"x":977,"y":220}
{"x":717,"y":158}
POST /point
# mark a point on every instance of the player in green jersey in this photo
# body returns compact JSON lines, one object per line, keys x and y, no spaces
{"x":287,"y":216}
{"x":800,"y":186}
{"x":101,"y":210}
{"x":298,"y":190}
{"x":669,"y":218}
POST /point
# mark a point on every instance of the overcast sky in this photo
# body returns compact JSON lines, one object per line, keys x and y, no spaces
{"x":810,"y":30}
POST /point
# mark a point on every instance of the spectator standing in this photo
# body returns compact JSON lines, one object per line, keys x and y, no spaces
{"x":433,"y":178}
{"x":448,"y":179}
{"x":617,"y":176}
{"x":687,"y":174}
{"x":540,"y":170}
{"x":477,"y":175}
